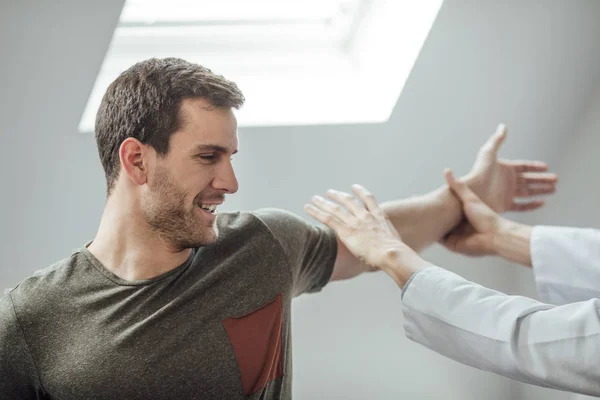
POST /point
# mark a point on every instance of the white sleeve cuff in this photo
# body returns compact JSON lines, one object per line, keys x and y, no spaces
{"x":566,"y":263}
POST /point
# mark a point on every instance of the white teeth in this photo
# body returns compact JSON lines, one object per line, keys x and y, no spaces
{"x":209,"y":207}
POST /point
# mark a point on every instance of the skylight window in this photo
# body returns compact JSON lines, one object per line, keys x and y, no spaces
{"x":298,"y":62}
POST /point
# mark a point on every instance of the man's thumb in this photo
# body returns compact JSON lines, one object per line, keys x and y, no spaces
{"x":498,"y":137}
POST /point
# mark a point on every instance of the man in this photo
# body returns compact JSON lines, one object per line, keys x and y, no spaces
{"x":554,"y":343}
{"x":170,"y":301}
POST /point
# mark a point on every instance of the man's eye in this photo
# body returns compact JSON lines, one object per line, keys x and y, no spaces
{"x":208,"y":157}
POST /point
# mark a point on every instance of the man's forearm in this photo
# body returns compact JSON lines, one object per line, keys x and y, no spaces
{"x":513,"y":242}
{"x":420,"y":221}
{"x":425,"y":219}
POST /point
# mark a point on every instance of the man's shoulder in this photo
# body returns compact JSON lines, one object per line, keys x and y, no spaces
{"x":267,"y":219}
{"x":44,"y":285}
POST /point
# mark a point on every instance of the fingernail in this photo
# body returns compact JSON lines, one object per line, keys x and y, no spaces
{"x":317,"y":198}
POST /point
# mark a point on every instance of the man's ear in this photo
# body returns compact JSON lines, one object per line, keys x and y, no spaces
{"x":134,"y":158}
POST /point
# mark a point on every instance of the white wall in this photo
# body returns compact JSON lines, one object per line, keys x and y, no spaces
{"x":52,"y":191}
{"x":530,"y":64}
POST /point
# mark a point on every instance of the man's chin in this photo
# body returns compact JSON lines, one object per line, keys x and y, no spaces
{"x":209,"y":236}
{"x":212,"y":237}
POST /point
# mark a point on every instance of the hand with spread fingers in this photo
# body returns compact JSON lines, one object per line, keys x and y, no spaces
{"x":500,"y":183}
{"x":366,"y":231}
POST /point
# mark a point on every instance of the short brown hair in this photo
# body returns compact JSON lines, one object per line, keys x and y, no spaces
{"x":144,"y":101}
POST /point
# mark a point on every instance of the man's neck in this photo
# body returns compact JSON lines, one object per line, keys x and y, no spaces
{"x":127,"y":247}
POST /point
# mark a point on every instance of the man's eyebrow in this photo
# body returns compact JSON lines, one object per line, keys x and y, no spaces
{"x":212,"y":147}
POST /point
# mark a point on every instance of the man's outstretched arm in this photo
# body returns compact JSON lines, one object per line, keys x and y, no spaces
{"x":513,"y":336}
{"x":426,"y":219}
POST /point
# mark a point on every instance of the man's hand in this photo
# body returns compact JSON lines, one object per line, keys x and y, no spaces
{"x":499,"y":182}
{"x":366,"y":232}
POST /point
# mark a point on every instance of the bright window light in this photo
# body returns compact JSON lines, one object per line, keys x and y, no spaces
{"x":308,"y":62}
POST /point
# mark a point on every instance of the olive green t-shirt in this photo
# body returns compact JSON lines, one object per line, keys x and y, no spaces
{"x":216,"y":327}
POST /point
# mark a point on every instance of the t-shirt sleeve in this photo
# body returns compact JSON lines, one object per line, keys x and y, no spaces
{"x":18,"y":375}
{"x":311,"y":250}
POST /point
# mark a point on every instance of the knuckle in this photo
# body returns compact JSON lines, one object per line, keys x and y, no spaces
{"x":365,"y":215}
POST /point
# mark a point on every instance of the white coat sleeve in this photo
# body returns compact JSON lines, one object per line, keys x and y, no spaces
{"x":566,"y":263}
{"x":513,"y":336}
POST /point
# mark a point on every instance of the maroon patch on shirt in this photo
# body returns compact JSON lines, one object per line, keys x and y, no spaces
{"x":257,"y":343}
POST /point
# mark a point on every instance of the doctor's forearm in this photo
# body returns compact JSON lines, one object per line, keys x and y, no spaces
{"x":513,"y":336}
{"x":513,"y":242}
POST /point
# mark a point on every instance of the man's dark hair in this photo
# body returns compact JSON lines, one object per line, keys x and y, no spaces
{"x":144,"y":102}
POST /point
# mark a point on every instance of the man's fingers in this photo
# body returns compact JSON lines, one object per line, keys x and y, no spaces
{"x":527,"y":166}
{"x":535,"y":190}
{"x":495,"y":141}
{"x":498,"y":137}
{"x":528,"y":206}
{"x":368,"y":199}
{"x":324,"y":218}
{"x":537,"y":177}
{"x":535,"y":183}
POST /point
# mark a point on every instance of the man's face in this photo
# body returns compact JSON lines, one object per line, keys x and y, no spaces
{"x":192,"y":179}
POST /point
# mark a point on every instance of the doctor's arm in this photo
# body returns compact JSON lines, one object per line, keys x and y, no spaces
{"x":517,"y":337}
{"x":565,"y":261}
{"x":423,"y":220}
{"x":513,"y":336}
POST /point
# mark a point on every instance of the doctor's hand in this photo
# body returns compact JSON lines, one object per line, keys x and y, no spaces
{"x":475,"y":236}
{"x":500,"y":182}
{"x":366,"y":231}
